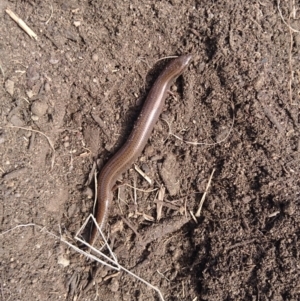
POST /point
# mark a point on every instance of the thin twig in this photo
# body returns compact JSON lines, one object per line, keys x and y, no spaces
{"x":142,"y":174}
{"x":2,"y":71}
{"x":291,"y":66}
{"x":204,"y":194}
{"x":96,"y":191}
{"x":142,"y":190}
{"x":21,"y":23}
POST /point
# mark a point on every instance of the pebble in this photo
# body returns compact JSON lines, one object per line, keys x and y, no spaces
{"x":103,"y":272}
{"x":29,"y":93}
{"x":170,"y":173}
{"x":53,"y":61}
{"x":28,"y":134}
{"x":114,"y":285}
{"x":63,"y":261}
{"x":16,"y":120}
{"x":2,"y":138}
{"x":72,"y":210}
{"x":39,"y":108}
{"x":145,"y":168}
{"x":95,"y":57}
{"x":77,"y":23}
{"x":68,"y":56}
{"x":290,"y":208}
{"x":9,"y":87}
{"x":34,"y":118}
{"x":258,"y":83}
{"x":77,"y":118}
{"x":47,"y":87}
{"x":88,"y":192}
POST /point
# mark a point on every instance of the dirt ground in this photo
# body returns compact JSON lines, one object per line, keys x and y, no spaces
{"x":69,"y":100}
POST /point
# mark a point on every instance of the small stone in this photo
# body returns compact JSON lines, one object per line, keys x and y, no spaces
{"x":258,"y":83}
{"x":35,"y":118}
{"x":170,"y":173}
{"x":103,"y":272}
{"x":2,"y":138}
{"x":9,"y":87}
{"x":66,"y":144}
{"x":72,"y":209}
{"x":290,"y":208}
{"x":145,"y":168}
{"x":28,"y":134}
{"x":53,"y":61}
{"x":29,"y":93}
{"x":63,"y":261}
{"x":68,"y":56}
{"x":47,"y":87}
{"x":95,"y":57}
{"x":39,"y":108}
{"x":246,"y":199}
{"x":77,"y":23}
{"x":114,"y":285}
{"x":88,"y":192}
{"x":16,"y":121}
{"x":77,"y":118}
{"x":263,"y":95}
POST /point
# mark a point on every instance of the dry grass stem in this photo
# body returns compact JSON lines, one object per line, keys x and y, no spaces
{"x":50,"y":14}
{"x":96,"y":192}
{"x":204,"y":194}
{"x":21,"y":23}
{"x":193,"y":216}
{"x":148,"y":218}
{"x":134,"y":191}
{"x":274,"y":214}
{"x":291,"y":30}
{"x":159,"y":204}
{"x":111,"y":276}
{"x":142,"y":190}
{"x":131,"y":226}
{"x":111,"y":260}
{"x":167,"y":57}
{"x":19,"y":226}
{"x":283,"y":20}
{"x":2,"y":71}
{"x":291,"y":67}
{"x":142,"y":174}
{"x":162,"y":275}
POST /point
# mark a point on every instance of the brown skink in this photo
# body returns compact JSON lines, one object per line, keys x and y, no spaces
{"x":137,"y":140}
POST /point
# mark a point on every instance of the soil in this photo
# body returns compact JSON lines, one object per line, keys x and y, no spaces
{"x":69,"y":100}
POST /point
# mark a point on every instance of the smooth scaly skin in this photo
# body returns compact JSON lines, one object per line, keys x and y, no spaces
{"x":138,"y":138}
